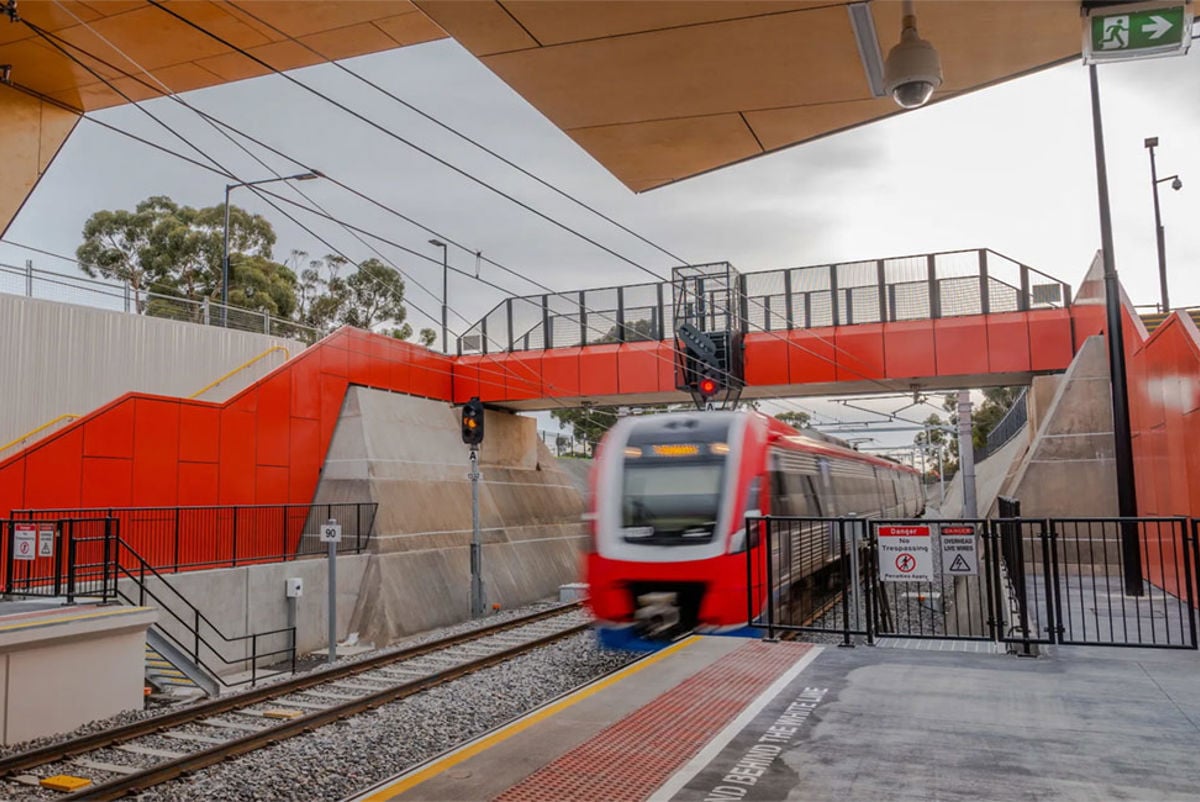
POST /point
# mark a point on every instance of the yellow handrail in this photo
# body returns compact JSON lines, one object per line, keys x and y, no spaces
{"x":286,"y":355}
{"x":69,"y":416}
{"x":41,"y":428}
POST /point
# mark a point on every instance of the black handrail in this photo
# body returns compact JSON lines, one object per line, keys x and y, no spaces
{"x":193,"y":627}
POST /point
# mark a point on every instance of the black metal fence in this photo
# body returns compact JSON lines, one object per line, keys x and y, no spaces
{"x":1011,"y":580}
{"x":937,"y":285}
{"x":187,"y":538}
{"x":59,"y":557}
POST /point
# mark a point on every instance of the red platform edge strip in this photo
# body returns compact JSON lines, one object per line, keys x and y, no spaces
{"x":633,"y":757}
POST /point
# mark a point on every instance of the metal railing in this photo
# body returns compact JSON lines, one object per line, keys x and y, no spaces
{"x":937,"y":285}
{"x":200,"y":640}
{"x":59,"y":557}
{"x":1007,"y":428}
{"x":35,"y":283}
{"x":173,"y":539}
{"x":1011,"y":580}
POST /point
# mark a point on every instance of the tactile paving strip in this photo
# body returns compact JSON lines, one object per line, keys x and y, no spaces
{"x":629,"y":759}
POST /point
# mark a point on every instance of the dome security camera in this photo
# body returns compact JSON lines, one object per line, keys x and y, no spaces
{"x":913,"y":69}
{"x":1177,"y":184}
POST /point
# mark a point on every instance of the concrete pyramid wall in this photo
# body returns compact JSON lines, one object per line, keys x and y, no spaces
{"x":406,"y":454}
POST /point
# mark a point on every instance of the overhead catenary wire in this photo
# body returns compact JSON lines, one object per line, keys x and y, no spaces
{"x":360,"y":230}
{"x":258,"y":190}
{"x":388,"y":132}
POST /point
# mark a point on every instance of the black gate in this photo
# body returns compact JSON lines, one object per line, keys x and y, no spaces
{"x":68,"y":557}
{"x":1011,"y":580}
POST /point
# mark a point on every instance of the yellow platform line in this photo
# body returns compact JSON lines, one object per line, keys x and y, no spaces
{"x":66,"y":619}
{"x":408,"y":781}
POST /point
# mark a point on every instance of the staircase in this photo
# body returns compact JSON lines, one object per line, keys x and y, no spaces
{"x":172,"y":673}
{"x":1152,"y":320}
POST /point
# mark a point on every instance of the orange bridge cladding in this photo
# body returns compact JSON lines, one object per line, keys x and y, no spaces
{"x":266,"y":445}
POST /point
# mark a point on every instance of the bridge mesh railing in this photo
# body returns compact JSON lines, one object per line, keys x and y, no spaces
{"x":937,"y":285}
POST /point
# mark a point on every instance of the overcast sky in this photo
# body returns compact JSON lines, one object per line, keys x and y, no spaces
{"x":1009,"y":168}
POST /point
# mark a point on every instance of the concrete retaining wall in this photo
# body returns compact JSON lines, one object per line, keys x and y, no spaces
{"x":1070,"y":469}
{"x":407,"y":454}
{"x":250,"y":599}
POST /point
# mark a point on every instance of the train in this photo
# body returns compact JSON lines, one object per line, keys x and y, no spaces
{"x":669,"y":497}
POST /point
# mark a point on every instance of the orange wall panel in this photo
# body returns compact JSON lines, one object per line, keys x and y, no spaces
{"x":666,"y":366}
{"x":54,"y":471}
{"x":811,"y":356}
{"x":598,"y":370}
{"x":859,"y":352}
{"x":237,"y":458}
{"x":560,"y":372}
{"x":961,"y":345}
{"x":335,"y":360}
{"x":766,"y":359}
{"x":493,"y":377}
{"x":156,"y":444}
{"x":466,"y":378}
{"x":271,"y":485}
{"x":432,"y":374}
{"x":638,"y":368}
{"x":199,"y":432}
{"x":525,"y":376}
{"x":1050,"y":340}
{"x":12,"y":487}
{"x":1008,"y":343}
{"x":271,"y":431}
{"x":305,"y":371}
{"x":909,"y":349}
{"x":107,"y":482}
{"x":110,"y":434}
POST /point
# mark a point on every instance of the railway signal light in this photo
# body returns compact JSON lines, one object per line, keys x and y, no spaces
{"x":472,"y":422}
{"x":708,"y":387}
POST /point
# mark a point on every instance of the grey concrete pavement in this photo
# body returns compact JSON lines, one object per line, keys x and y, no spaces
{"x":1078,"y":723}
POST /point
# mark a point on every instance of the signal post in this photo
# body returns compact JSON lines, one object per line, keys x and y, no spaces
{"x":472,"y":435}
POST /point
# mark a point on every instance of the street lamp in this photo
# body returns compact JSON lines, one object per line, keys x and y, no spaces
{"x":1176,"y":184}
{"x":225,"y":247}
{"x":437,"y":243}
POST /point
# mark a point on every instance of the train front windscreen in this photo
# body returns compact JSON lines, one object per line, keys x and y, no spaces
{"x":665,"y":502}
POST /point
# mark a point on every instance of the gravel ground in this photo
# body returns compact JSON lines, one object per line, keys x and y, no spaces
{"x":347,"y":756}
{"x":343,"y":758}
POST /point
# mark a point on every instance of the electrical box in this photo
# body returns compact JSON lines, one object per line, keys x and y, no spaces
{"x":295,"y":587}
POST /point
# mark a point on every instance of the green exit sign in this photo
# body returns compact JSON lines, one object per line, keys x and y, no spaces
{"x":1137,"y":30}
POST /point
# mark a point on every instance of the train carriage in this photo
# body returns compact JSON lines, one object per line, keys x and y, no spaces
{"x":670,"y":495}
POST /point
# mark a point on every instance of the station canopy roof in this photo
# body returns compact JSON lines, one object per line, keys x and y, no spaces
{"x":656,"y":91}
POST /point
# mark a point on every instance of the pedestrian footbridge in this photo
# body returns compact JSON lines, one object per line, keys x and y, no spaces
{"x":963,"y":318}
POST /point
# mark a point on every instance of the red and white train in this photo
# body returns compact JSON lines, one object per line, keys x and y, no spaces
{"x":669,"y":497}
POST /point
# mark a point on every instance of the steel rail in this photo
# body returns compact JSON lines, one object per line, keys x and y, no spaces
{"x":48,"y":754}
{"x":164,"y":772}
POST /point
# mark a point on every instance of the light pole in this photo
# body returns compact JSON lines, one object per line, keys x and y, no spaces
{"x":1176,"y":184}
{"x":225,"y":245}
{"x":437,"y":243}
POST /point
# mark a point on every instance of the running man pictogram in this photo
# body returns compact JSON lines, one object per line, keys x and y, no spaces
{"x":905,"y":563}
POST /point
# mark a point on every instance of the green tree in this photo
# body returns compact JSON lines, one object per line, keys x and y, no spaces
{"x":332,"y":292}
{"x":176,"y":252}
{"x":794,"y":418}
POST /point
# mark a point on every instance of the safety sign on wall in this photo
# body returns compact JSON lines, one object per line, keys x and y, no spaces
{"x":25,"y":541}
{"x":905,"y":554}
{"x":960,"y":556}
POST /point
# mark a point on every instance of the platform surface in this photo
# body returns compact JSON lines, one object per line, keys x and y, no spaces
{"x":727,"y":719}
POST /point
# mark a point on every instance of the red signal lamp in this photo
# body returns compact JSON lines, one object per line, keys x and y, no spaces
{"x":708,"y":387}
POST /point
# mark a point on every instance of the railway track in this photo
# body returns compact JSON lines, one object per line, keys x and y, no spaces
{"x":141,"y":755}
